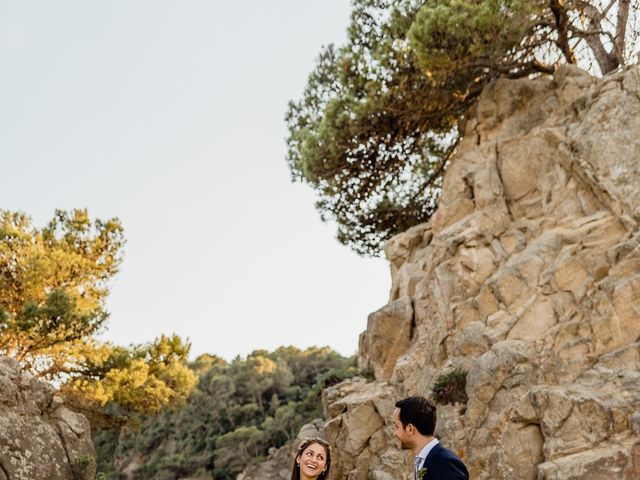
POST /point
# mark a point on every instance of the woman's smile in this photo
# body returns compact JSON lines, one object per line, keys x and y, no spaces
{"x":312,"y":461}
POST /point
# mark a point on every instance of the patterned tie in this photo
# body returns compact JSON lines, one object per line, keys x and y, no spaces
{"x":416,"y":466}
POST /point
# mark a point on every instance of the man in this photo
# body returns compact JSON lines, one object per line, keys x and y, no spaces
{"x":415,"y":421}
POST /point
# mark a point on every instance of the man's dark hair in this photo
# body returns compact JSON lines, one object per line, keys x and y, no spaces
{"x":419,"y":412}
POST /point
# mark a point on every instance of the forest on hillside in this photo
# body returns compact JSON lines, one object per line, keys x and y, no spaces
{"x":238,"y":411}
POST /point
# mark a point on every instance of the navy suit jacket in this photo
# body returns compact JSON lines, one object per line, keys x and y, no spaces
{"x":443,"y":464}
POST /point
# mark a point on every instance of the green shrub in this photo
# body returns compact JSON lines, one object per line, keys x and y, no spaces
{"x":368,"y":373}
{"x":449,"y":387}
{"x":84,"y":468}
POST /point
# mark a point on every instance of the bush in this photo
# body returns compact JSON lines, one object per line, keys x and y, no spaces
{"x":84,"y":468}
{"x":449,"y":387}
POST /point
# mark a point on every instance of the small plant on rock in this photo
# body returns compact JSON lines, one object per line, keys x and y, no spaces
{"x":84,"y":467}
{"x":449,"y":388}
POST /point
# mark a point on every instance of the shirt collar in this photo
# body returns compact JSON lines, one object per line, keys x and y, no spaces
{"x":426,"y":449}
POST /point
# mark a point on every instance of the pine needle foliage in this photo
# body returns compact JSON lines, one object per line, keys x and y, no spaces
{"x":380,"y":115}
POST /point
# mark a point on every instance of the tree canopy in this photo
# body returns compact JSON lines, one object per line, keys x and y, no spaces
{"x":53,"y":284}
{"x":110,"y":383}
{"x":379,"y":117}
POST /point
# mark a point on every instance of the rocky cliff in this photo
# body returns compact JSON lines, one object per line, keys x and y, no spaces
{"x":528,"y":279}
{"x":40,"y":438}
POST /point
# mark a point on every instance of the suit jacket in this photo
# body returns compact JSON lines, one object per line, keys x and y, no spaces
{"x":443,"y":464}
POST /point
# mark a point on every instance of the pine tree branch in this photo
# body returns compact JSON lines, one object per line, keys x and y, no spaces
{"x":606,"y":61}
{"x":562,"y":25}
{"x":621,"y":29}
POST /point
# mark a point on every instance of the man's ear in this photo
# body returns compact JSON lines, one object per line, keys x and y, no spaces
{"x":410,"y":429}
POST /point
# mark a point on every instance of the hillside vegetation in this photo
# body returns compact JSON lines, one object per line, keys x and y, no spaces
{"x":238,"y":410}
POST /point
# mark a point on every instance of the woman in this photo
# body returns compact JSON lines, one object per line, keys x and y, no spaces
{"x":313,"y":460}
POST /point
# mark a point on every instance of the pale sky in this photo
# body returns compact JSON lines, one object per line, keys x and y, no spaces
{"x":170,"y":116}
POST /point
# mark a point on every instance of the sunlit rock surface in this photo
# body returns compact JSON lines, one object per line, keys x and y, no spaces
{"x":527,"y":277}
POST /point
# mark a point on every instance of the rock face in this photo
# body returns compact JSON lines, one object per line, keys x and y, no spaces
{"x":528,"y":278}
{"x":40,"y":438}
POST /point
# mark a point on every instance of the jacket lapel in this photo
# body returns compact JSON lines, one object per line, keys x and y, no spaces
{"x":432,"y":454}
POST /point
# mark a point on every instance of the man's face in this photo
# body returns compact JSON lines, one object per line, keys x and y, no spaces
{"x":401,"y":432}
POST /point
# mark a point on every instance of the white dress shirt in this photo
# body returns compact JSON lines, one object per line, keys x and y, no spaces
{"x":421,"y":457}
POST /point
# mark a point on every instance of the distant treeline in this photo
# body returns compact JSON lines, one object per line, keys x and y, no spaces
{"x":238,"y":410}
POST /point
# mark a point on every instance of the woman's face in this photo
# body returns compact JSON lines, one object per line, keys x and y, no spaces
{"x":312,"y":460}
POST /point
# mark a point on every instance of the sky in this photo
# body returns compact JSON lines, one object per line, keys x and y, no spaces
{"x":170,"y":116}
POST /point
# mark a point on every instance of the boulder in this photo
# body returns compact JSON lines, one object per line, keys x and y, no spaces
{"x":40,"y":438}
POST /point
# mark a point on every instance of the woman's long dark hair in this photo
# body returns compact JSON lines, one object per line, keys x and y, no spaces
{"x":295,"y":471}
